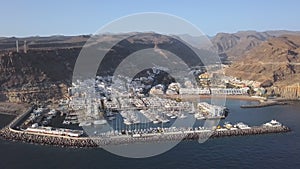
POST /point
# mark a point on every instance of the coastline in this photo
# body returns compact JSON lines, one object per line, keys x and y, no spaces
{"x":234,"y":97}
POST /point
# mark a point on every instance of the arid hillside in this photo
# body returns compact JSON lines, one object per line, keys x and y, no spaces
{"x":42,"y":69}
{"x":276,"y":61}
{"x":235,"y":45}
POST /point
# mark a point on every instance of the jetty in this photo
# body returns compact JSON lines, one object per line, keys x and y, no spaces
{"x":265,"y":104}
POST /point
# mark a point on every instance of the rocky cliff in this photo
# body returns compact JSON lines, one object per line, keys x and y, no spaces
{"x":289,"y":91}
{"x":43,"y":72}
{"x":236,"y":45}
{"x":38,"y":75}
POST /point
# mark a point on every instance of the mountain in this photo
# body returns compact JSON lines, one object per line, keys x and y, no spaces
{"x":44,"y":71}
{"x":236,"y":45}
{"x":276,"y":61}
{"x":38,"y":75}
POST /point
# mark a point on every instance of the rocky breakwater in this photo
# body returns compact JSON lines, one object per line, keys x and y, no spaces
{"x":7,"y":134}
{"x":64,"y":141}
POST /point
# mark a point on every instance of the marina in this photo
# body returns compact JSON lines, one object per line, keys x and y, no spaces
{"x":125,"y":105}
{"x":73,"y":138}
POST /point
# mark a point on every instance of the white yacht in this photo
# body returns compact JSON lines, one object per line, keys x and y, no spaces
{"x":241,"y":125}
{"x":127,"y":122}
{"x":182,"y":116}
{"x":165,"y":121}
{"x":169,"y":114}
{"x":199,"y":116}
{"x":85,"y":123}
{"x":156,"y":121}
{"x":273,"y":123}
{"x":173,"y":117}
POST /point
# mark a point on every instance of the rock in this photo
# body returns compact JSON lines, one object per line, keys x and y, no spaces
{"x":267,"y":83}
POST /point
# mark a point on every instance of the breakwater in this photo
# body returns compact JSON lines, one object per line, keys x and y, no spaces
{"x":64,"y":141}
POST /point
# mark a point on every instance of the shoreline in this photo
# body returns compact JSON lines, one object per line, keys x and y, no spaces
{"x":233,"y":97}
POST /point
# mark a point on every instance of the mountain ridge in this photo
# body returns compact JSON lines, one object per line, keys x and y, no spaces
{"x":36,"y":74}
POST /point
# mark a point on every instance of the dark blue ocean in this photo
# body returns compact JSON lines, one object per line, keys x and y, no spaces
{"x":260,"y":151}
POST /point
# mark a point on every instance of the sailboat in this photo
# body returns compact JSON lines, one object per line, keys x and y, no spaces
{"x":181,"y":114}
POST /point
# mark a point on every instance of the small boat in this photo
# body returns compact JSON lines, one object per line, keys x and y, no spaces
{"x":82,"y":124}
{"x":182,"y":116}
{"x":156,"y":121}
{"x":199,"y":116}
{"x":169,"y":114}
{"x":241,"y":125}
{"x":173,"y":117}
{"x":66,"y":122}
{"x":136,"y":122}
{"x":127,"y":122}
{"x":165,"y":121}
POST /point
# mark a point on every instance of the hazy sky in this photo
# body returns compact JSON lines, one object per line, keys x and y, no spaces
{"x":73,"y":17}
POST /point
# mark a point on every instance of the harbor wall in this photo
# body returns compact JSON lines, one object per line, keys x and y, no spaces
{"x":64,"y":141}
